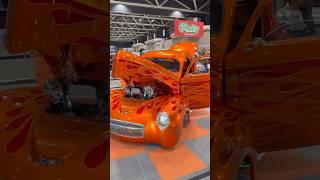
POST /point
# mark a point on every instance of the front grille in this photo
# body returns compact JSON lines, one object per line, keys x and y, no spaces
{"x":123,"y":128}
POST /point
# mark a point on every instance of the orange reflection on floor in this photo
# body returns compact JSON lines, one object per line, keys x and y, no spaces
{"x":193,"y":131}
{"x":119,"y":149}
{"x":175,"y":163}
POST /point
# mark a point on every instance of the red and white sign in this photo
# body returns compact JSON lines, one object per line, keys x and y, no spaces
{"x":188,"y":28}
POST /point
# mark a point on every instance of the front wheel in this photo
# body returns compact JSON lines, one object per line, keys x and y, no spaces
{"x":186,"y":120}
{"x":244,"y":172}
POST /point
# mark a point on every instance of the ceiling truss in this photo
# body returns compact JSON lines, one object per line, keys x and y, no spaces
{"x":130,"y":26}
{"x":191,"y":6}
{"x":126,"y":27}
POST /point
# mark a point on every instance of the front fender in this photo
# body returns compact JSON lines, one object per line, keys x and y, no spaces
{"x":176,"y":108}
{"x":231,"y":146}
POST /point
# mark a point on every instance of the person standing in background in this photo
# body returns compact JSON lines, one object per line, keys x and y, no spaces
{"x":287,"y":14}
{"x":305,"y":7}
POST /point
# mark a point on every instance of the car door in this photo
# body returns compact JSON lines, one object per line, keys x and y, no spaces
{"x":273,"y":84}
{"x":196,"y":84}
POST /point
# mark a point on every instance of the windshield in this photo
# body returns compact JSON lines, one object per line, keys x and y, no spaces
{"x":170,"y":64}
{"x":217,"y":16}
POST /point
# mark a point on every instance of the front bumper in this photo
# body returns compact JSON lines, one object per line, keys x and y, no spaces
{"x":126,"y":129}
{"x":146,"y":133}
{"x":135,"y":121}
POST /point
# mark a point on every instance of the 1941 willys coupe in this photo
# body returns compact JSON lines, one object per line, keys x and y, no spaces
{"x":59,"y":131}
{"x":266,"y":81}
{"x":161,"y":89}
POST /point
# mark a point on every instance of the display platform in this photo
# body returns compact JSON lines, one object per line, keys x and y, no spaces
{"x":190,"y":158}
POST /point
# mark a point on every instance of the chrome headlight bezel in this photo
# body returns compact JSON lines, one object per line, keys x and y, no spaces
{"x":163,"y":124}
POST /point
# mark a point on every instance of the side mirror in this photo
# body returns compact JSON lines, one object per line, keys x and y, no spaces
{"x":257,"y":42}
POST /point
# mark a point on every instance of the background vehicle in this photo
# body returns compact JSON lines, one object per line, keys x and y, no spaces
{"x":265,"y":85}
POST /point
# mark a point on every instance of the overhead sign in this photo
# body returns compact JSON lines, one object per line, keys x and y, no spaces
{"x":188,"y":28}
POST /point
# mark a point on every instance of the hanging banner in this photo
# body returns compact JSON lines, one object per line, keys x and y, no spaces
{"x":188,"y":28}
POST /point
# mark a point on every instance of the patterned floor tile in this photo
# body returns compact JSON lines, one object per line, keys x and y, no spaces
{"x":151,"y":147}
{"x":316,"y":177}
{"x":204,"y":123}
{"x":203,"y":174}
{"x":287,"y":165}
{"x":138,"y":167}
{"x":175,"y":163}
{"x":120,"y":149}
{"x":201,"y":147}
{"x":313,"y":153}
{"x":193,"y":131}
{"x":200,"y":114}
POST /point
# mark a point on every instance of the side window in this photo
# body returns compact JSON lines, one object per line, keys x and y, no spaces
{"x":242,"y":15}
{"x":185,"y":66}
{"x":217,"y":17}
{"x":293,"y":19}
{"x":201,"y":66}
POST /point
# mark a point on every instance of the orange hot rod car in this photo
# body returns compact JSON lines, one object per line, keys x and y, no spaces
{"x":265,"y":94}
{"x":161,"y":89}
{"x":58,"y":131}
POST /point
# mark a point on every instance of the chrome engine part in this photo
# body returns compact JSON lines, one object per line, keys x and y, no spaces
{"x":86,"y":98}
{"x":147,"y":92}
{"x":133,"y":92}
{"x":59,"y":101}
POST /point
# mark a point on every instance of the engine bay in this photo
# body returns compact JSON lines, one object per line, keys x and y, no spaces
{"x":147,"y":91}
{"x":83,"y":98}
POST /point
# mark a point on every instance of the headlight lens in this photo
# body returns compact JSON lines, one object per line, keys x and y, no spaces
{"x":163,"y":120}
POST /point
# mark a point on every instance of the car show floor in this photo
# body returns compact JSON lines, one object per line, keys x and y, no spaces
{"x":190,"y":158}
{"x":293,"y":164}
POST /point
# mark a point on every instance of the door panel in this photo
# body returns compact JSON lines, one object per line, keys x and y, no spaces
{"x":196,"y":89}
{"x":275,"y":89}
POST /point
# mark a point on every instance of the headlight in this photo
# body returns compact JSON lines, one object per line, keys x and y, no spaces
{"x":163,"y":120}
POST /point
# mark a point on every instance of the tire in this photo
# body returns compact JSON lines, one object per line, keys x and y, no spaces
{"x":244,"y":172}
{"x":186,"y":120}
{"x":242,"y":176}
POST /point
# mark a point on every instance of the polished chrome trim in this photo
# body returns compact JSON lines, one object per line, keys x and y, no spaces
{"x":121,"y":128}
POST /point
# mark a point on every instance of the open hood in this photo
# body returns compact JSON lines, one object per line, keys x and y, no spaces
{"x":187,"y":47}
{"x":140,"y":70}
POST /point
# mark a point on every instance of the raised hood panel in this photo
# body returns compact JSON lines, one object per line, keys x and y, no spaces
{"x":187,"y":47}
{"x":141,"y":70}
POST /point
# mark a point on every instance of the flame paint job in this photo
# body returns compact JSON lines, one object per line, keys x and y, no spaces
{"x":28,"y":134}
{"x":50,"y":26}
{"x":189,"y":92}
{"x":267,"y":99}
